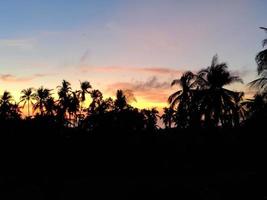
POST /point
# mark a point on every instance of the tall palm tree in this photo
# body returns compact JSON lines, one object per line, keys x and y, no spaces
{"x":84,"y":89}
{"x":64,"y":89}
{"x":64,"y":93}
{"x":41,"y":96}
{"x":97,"y":97}
{"x":181,"y":99}
{"x":216,"y":102}
{"x":27,"y":97}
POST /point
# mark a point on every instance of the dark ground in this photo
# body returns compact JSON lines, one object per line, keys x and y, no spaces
{"x":173,"y":164}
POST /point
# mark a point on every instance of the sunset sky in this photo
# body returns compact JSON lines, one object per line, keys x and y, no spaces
{"x":140,"y":45}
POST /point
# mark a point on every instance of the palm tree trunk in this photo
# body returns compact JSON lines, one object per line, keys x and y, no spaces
{"x":28,"y":108}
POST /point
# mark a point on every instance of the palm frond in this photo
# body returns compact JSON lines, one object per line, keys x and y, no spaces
{"x":258,"y":83}
{"x":264,"y":42}
{"x":174,"y":96}
{"x":261,"y":60}
{"x":214,"y":60}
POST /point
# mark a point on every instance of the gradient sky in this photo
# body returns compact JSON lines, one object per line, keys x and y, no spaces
{"x":140,"y":45}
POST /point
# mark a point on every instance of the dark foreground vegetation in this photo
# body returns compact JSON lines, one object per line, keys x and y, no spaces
{"x":213,"y":145}
{"x":167,"y":164}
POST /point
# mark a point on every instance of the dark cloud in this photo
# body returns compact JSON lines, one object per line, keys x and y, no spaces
{"x":129,"y":95}
{"x":153,"y":90}
{"x":151,"y":83}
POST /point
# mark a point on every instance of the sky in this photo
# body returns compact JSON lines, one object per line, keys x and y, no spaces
{"x":137,"y":45}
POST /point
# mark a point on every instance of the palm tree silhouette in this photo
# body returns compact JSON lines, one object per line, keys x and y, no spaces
{"x":6,"y":98}
{"x":181,"y":100}
{"x":50,"y":106}
{"x":41,"y":96}
{"x":120,"y":101}
{"x":5,"y":105}
{"x":217,"y":102}
{"x":84,"y":89}
{"x":168,"y":117}
{"x":73,"y":106}
{"x":27,"y":97}
{"x":15,"y":111}
{"x":97,"y":97}
{"x":151,"y":116}
{"x":64,"y":92}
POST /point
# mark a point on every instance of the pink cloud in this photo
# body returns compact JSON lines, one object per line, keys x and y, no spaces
{"x":9,"y":78}
{"x":12,"y":78}
{"x":149,"y":70}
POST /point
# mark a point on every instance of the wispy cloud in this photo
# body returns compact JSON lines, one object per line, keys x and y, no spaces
{"x":18,"y":43}
{"x":14,"y":79}
{"x":85,"y":56}
{"x":150,"y":70}
{"x":10,"y":78}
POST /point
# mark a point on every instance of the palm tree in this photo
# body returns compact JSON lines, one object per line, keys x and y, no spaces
{"x":85,"y":86}
{"x":5,"y":104}
{"x":41,"y":96}
{"x":84,"y":89}
{"x":97,"y":97}
{"x":73,"y":106}
{"x":64,"y":93}
{"x":168,"y":117}
{"x":64,"y":89}
{"x":50,"y":106}
{"x":181,"y":99}
{"x":27,"y":97}
{"x":6,"y":98}
{"x":217,"y":102}
{"x":151,"y":116}
{"x":120,"y":101}
{"x":15,"y":111}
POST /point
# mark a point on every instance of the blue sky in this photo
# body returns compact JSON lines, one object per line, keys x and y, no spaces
{"x":118,"y":42}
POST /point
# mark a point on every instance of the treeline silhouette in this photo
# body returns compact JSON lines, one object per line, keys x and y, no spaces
{"x":213,"y":145}
{"x":202,"y":102}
